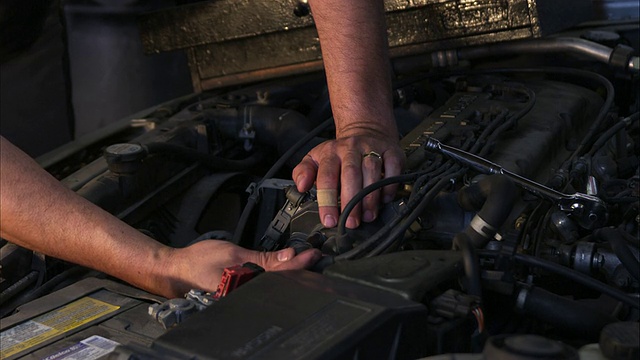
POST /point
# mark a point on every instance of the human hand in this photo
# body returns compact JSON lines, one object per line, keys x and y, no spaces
{"x":352,"y":163}
{"x":200,"y":265}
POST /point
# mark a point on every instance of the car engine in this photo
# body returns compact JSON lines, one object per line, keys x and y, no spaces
{"x":514,"y":235}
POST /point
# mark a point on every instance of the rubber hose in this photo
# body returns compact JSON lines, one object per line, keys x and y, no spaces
{"x":602,"y":140}
{"x":568,"y":315}
{"x":18,"y":286}
{"x":582,"y":47}
{"x":579,"y":278}
{"x":462,"y":242}
{"x":42,"y":290}
{"x":621,"y":249}
{"x":494,"y":195}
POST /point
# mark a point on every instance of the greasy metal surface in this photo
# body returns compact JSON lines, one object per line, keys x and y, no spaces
{"x":261,"y":52}
{"x":216,"y":21}
{"x":409,"y":21}
{"x":231,"y":41}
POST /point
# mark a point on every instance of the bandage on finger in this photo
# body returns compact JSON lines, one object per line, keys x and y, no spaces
{"x":327,"y":197}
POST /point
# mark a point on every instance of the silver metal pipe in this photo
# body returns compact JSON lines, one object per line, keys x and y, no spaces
{"x":576,"y":46}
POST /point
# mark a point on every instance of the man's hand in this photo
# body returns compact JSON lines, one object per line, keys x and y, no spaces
{"x":354,"y":50}
{"x":200,"y":265}
{"x":350,"y":164}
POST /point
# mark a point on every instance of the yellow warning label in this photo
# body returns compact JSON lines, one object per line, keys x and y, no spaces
{"x":44,"y":327}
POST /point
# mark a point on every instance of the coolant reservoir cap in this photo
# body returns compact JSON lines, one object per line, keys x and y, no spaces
{"x":124,"y":158}
{"x":621,"y":340}
{"x":124,"y":152}
{"x":527,"y":347}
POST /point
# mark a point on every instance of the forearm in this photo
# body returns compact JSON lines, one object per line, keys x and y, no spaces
{"x":38,"y":213}
{"x":355,"y":53}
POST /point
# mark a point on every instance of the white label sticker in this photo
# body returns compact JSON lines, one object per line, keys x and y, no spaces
{"x":88,"y":349}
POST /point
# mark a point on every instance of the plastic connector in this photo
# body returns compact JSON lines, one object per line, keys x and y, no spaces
{"x":233,"y":277}
{"x":454,"y":304}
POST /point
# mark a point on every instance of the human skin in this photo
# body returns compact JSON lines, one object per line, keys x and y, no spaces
{"x":39,"y":213}
{"x":354,"y":50}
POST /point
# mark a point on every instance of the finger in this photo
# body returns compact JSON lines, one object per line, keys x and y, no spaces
{"x":286,"y":259}
{"x":371,"y":170}
{"x":305,"y":173}
{"x":351,"y":184}
{"x":393,"y":163}
{"x":304,"y":260}
{"x":327,"y":184}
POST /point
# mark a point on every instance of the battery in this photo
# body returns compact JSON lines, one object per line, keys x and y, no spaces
{"x":86,"y":320}
{"x":297,"y":314}
{"x":277,"y":315}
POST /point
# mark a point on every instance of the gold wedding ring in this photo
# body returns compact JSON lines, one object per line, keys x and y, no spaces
{"x":327,"y":197}
{"x":372,"y":153}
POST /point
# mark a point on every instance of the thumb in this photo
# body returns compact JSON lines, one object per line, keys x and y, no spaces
{"x":285,"y":254}
{"x":286,"y":259}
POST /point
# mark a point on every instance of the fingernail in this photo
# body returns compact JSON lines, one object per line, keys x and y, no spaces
{"x":299,"y":179}
{"x":387,"y":199}
{"x":329,"y":221}
{"x":282,"y":256}
{"x":352,"y":223}
{"x":369,"y":216}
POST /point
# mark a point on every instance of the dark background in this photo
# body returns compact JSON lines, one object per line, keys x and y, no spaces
{"x":69,"y":68}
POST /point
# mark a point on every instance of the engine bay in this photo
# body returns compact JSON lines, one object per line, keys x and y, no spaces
{"x":515,"y":232}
